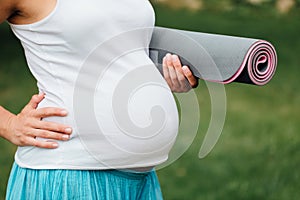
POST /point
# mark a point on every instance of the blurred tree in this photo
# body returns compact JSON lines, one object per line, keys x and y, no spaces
{"x":283,"y":6}
{"x":189,"y":4}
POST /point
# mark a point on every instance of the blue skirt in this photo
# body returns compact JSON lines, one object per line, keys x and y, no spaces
{"x":32,"y":184}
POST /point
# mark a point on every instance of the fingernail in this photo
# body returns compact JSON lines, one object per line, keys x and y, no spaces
{"x":64,"y":112}
{"x":68,"y":130}
{"x":66,"y":137}
{"x":55,"y":145}
{"x":174,"y":57}
{"x":184,"y":68}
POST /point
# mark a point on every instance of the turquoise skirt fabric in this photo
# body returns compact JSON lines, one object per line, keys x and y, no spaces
{"x":32,"y":184}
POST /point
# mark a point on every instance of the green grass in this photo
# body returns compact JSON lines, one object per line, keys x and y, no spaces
{"x":257,"y":156}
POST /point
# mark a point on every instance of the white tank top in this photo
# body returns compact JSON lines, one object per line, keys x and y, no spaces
{"x":90,"y":57}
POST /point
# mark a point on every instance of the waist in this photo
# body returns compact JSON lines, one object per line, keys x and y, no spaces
{"x":74,"y":155}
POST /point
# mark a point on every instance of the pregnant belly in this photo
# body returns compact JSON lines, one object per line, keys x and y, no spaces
{"x":131,"y":112}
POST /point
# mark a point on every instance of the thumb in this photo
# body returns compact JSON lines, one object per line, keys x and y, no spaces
{"x":34,"y":101}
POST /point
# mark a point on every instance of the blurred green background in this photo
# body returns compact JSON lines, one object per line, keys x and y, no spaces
{"x":257,"y":156}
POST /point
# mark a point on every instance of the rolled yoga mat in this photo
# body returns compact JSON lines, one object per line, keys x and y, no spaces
{"x":217,"y":58}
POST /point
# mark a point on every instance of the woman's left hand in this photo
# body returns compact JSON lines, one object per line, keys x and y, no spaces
{"x":179,"y":78}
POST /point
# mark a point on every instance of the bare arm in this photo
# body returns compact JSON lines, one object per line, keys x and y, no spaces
{"x":4,"y":118}
{"x":6,"y":10}
{"x":23,"y":128}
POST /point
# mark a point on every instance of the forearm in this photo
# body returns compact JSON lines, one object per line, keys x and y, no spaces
{"x":5,"y":116}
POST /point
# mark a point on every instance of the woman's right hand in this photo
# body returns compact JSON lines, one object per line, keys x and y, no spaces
{"x":23,"y":128}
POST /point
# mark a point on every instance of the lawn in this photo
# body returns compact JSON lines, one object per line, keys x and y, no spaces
{"x":257,"y":156}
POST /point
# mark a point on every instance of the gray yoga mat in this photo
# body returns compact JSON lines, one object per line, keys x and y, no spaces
{"x":217,"y":58}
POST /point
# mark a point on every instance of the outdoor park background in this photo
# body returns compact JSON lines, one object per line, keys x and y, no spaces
{"x":258,"y":154}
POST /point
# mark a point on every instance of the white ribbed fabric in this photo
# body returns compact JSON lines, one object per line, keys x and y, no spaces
{"x":60,"y":48}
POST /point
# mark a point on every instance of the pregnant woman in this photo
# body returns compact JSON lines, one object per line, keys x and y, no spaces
{"x":72,"y":147}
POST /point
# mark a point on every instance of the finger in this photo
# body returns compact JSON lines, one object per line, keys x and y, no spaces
{"x":172,"y":73}
{"x":190,"y":77}
{"x":34,"y":101}
{"x":166,"y":72}
{"x":176,"y":62}
{"x":49,"y":112}
{"x":52,"y":126}
{"x":42,"y":144}
{"x":49,"y":135}
{"x":168,"y":59}
{"x":178,"y":67}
